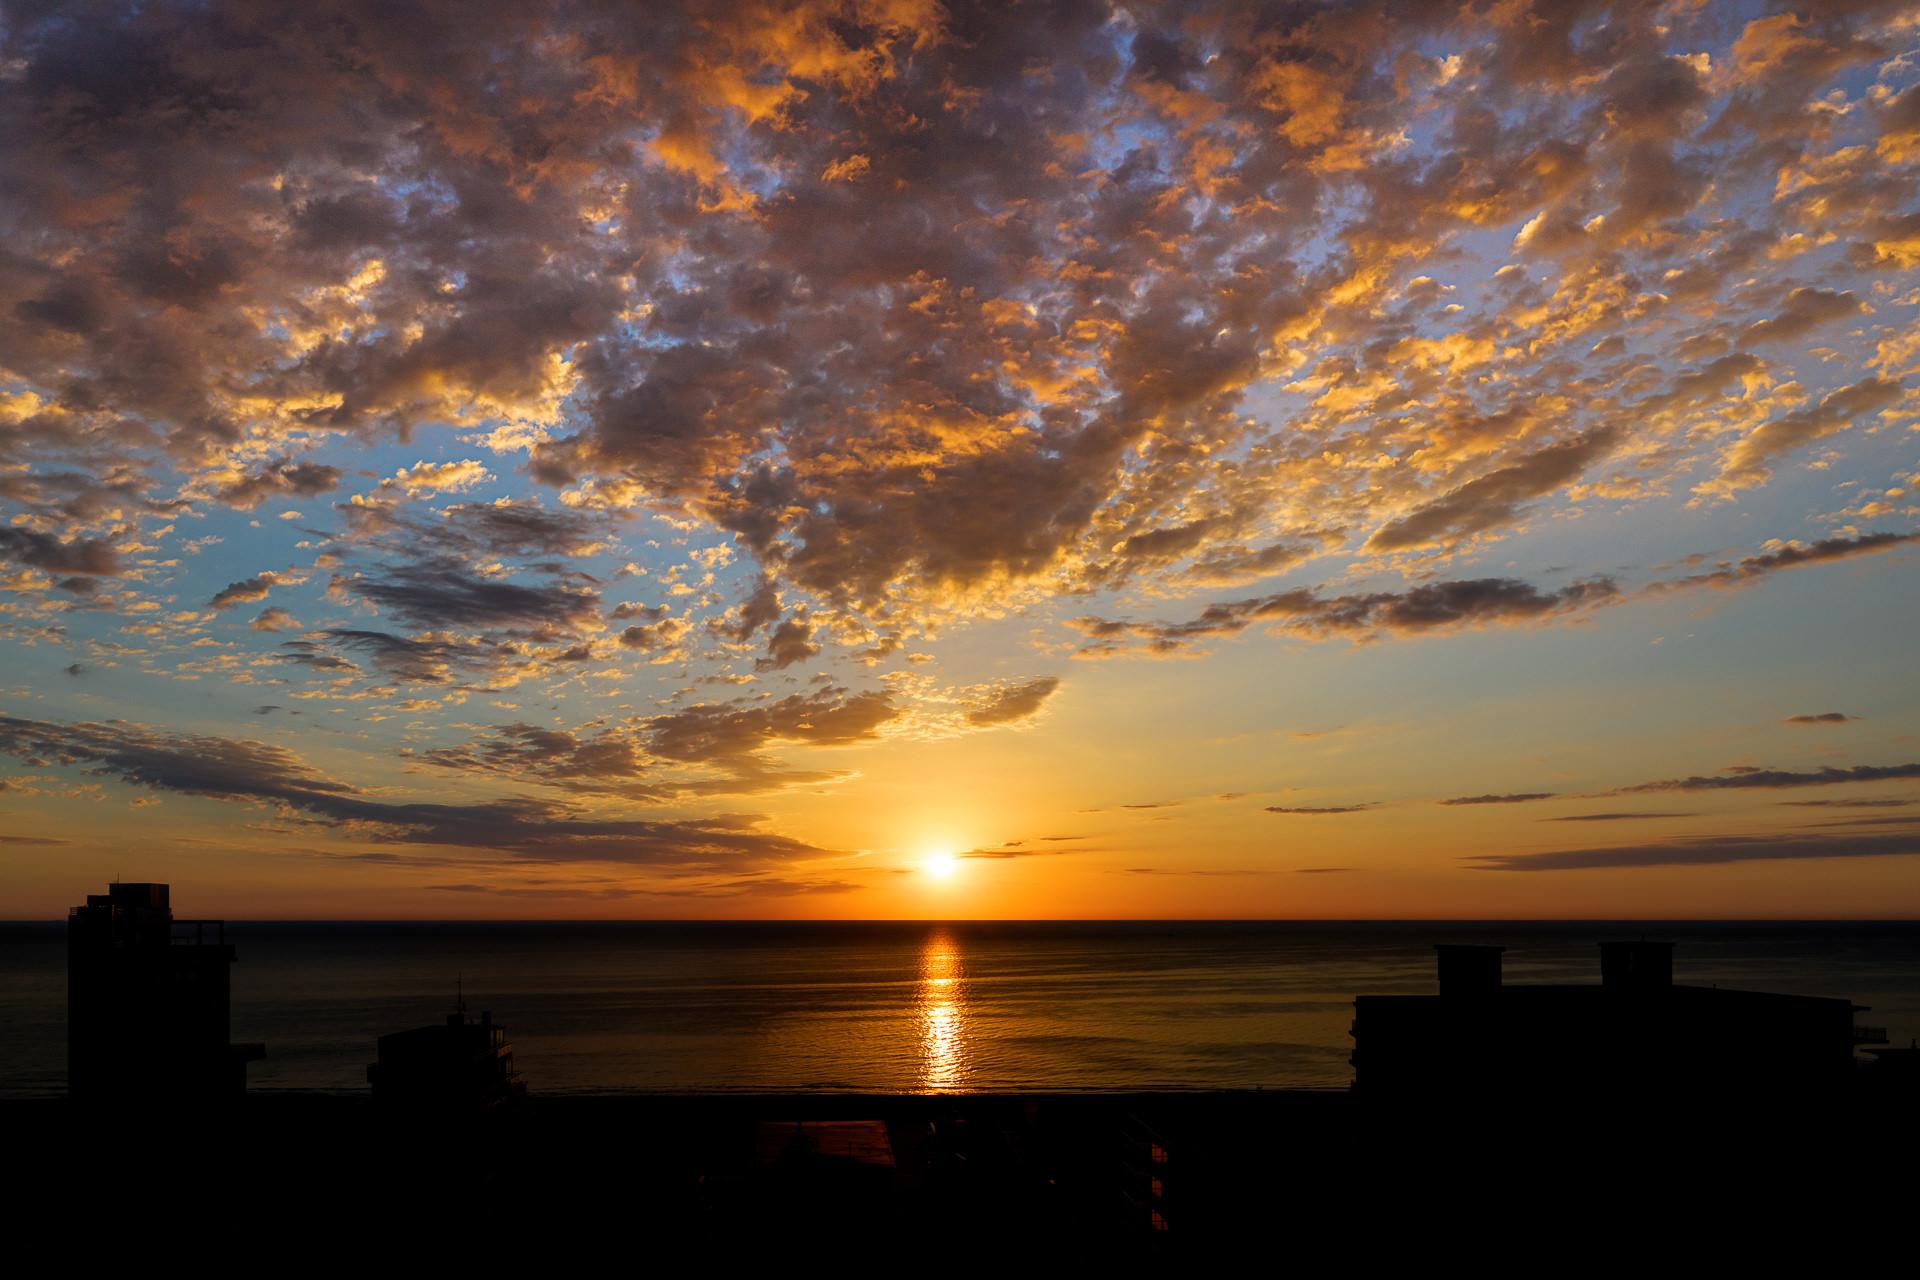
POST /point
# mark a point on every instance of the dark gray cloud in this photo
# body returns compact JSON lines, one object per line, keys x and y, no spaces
{"x":411,"y":661}
{"x":245,"y":591}
{"x":760,"y":885}
{"x":1619,"y":817}
{"x":258,"y":772}
{"x":1430,"y":607}
{"x":475,"y":531}
{"x":1751,"y":569}
{"x":95,"y":557}
{"x":1745,"y":777}
{"x":1749,"y":460}
{"x":1708,"y":851}
{"x":519,"y":528}
{"x":736,"y":731}
{"x":659,"y":632}
{"x":1312,"y":811}
{"x":646,"y":759}
{"x":440,"y":594}
{"x":604,"y":760}
{"x":1014,"y":702}
{"x":1804,"y":310}
{"x":1516,"y":797}
{"x":787,"y":644}
{"x":280,"y":478}
{"x":1449,"y":604}
{"x":1014,"y":849}
{"x":1494,"y":499}
{"x":1823,"y":717}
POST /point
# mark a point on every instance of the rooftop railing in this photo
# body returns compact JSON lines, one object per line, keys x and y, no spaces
{"x":179,"y":938}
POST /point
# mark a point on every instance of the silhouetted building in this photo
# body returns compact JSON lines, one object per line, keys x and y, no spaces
{"x":811,"y":1145}
{"x":1894,"y":1070}
{"x":459,"y":1065}
{"x":1635,"y":1032}
{"x":1143,"y":1174}
{"x":147,"y":1002}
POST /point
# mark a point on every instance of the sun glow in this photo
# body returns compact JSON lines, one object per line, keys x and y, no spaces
{"x":940,"y":864}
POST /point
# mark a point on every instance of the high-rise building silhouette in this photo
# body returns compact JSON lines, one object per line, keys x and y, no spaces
{"x":457,"y":1065}
{"x":1636,"y":1032}
{"x":148,"y":1000}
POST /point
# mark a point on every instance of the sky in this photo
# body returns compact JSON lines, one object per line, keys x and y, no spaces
{"x":882,"y":459}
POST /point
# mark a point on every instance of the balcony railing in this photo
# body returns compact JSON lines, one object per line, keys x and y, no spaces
{"x":178,"y":937}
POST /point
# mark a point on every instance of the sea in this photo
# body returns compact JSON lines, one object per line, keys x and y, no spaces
{"x":626,"y":1008}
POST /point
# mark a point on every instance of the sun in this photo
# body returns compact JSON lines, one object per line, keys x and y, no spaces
{"x":941,"y":864}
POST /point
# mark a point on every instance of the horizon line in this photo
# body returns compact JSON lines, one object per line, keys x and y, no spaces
{"x":958,"y":920}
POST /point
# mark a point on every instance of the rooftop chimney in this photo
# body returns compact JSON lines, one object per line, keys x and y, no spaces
{"x":1469,"y":971}
{"x":1636,"y":966}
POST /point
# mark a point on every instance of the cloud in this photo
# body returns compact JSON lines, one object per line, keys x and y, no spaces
{"x":606,"y":760}
{"x":1749,"y":460}
{"x":1823,"y":717}
{"x":661,"y":634}
{"x":1493,"y":500}
{"x":1430,"y":607}
{"x":707,"y":749}
{"x":757,"y":885}
{"x":1329,"y":809}
{"x":1708,"y":851}
{"x":86,"y":556}
{"x":1805,"y":310}
{"x":1014,"y":849}
{"x":1449,"y":605}
{"x":245,"y":591}
{"x":1619,"y":817}
{"x":523,"y":829}
{"x":440,"y":594}
{"x":732,"y":732}
{"x":1013,"y":702}
{"x":787,"y":644}
{"x":279,"y":478}
{"x":441,"y":477}
{"x":1787,"y":555}
{"x":411,"y":661}
{"x":1518,"y":797}
{"x":1746,"y":777}
{"x":510,"y":527}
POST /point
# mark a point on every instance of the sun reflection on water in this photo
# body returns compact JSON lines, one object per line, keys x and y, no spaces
{"x":941,"y":1001}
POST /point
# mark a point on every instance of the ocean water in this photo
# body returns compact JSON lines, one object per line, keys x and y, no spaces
{"x":650,"y":1007}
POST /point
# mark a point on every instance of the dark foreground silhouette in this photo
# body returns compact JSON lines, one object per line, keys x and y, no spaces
{"x":979,"y":1177}
{"x":1553,"y":1127}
